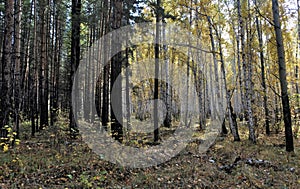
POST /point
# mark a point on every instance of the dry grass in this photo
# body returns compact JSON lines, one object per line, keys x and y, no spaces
{"x":53,"y":160}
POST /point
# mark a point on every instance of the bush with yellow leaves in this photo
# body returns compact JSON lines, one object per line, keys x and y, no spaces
{"x":6,"y":142}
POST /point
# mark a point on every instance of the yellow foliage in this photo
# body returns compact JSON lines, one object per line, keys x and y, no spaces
{"x":5,"y":148}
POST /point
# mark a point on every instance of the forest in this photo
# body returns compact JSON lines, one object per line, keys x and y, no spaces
{"x":149,"y":94}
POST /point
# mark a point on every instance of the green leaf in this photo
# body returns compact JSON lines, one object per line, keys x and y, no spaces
{"x":70,"y":176}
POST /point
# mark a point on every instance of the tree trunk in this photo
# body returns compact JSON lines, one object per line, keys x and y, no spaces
{"x":168,"y":118}
{"x":116,"y":68}
{"x":297,"y":57}
{"x":238,"y":39}
{"x":17,"y":71}
{"x":75,"y":58}
{"x":43,"y":75}
{"x":282,"y":76}
{"x":105,"y":96}
{"x":263,"y":78}
{"x":157,"y":38}
{"x":56,"y":59}
{"x":34,"y":90}
{"x":5,"y":106}
{"x":217,"y":104}
{"x":231,"y":115}
{"x":247,"y":66}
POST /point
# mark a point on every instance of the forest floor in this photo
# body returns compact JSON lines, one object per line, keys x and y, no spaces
{"x":54,"y":160}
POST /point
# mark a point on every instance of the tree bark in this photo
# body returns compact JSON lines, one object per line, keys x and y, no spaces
{"x":297,"y":57}
{"x":282,"y":76}
{"x":240,"y":70}
{"x":157,"y":38}
{"x":116,"y":68}
{"x":231,"y":115}
{"x":168,"y":118}
{"x":105,"y":96}
{"x":247,"y":66}
{"x":17,"y":71}
{"x":75,"y":59}
{"x":217,"y":87}
{"x":263,"y":78}
{"x":5,"y":97}
{"x":43,"y":70}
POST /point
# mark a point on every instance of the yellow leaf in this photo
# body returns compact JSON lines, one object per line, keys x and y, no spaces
{"x":5,"y":148}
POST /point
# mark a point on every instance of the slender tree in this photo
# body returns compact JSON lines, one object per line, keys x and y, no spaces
{"x":214,"y":53}
{"x":75,"y":57}
{"x":43,"y":68}
{"x":157,"y":38}
{"x":116,"y":68}
{"x":106,"y":69}
{"x":168,"y":118}
{"x":231,"y":114}
{"x":248,"y":72}
{"x":282,"y":77}
{"x":6,"y":87}
{"x":262,"y":65}
{"x":239,"y":41}
{"x":17,"y":67}
{"x":297,"y":55}
{"x":56,"y":64}
{"x":34,"y":90}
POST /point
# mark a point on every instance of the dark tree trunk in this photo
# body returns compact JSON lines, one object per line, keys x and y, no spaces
{"x":105,"y":96}
{"x":5,"y":102}
{"x":43,"y":70}
{"x":55,"y":75}
{"x":128,"y":104}
{"x":17,"y":68}
{"x":156,"y":54}
{"x":34,"y":90}
{"x":116,"y":68}
{"x":168,"y":118}
{"x":282,"y":76}
{"x":75,"y":58}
